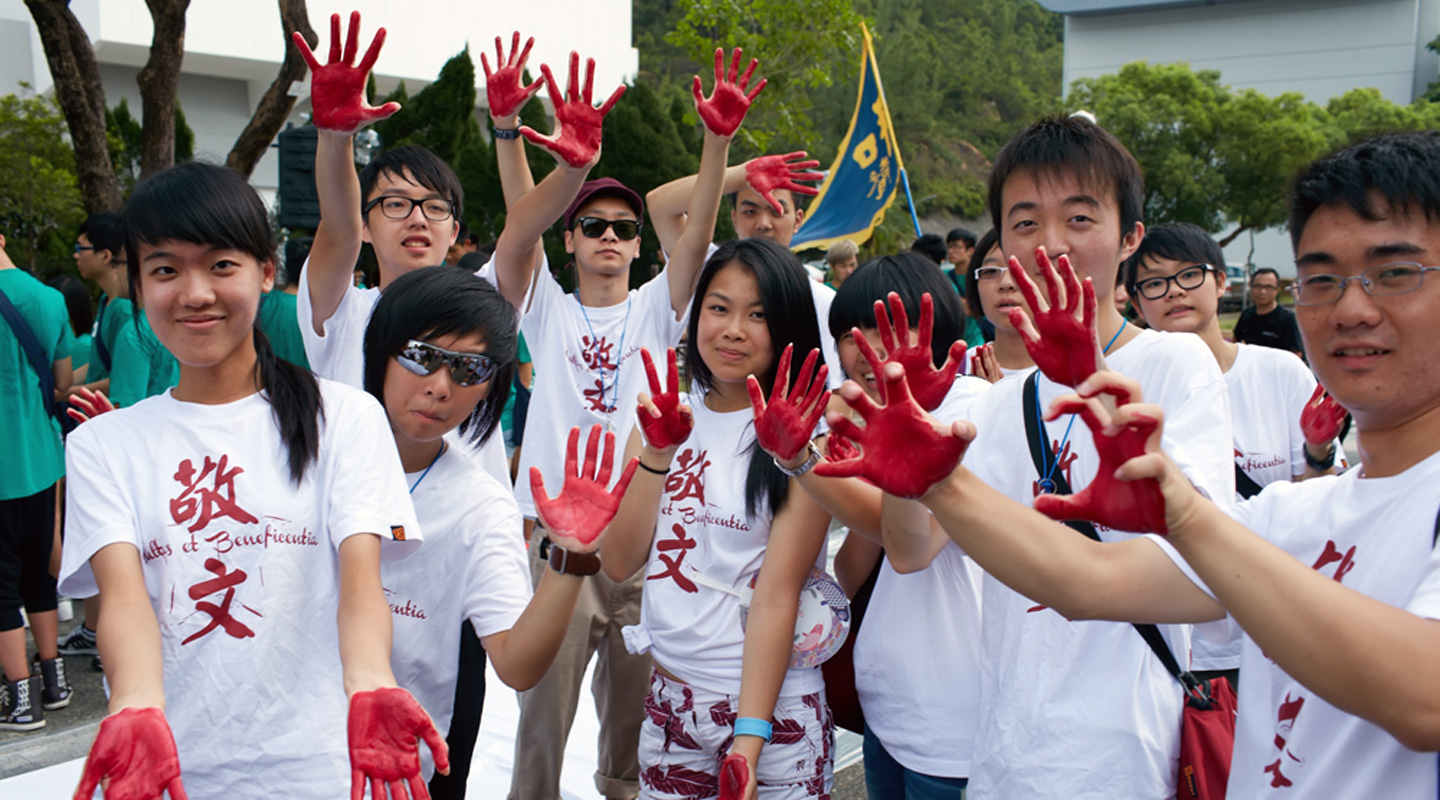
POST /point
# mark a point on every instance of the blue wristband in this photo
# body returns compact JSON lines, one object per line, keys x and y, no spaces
{"x":753,"y":726}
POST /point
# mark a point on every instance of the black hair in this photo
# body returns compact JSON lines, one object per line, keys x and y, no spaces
{"x":960,"y":235}
{"x":977,"y":260}
{"x":1402,"y":168}
{"x":931,"y":246}
{"x":297,"y":250}
{"x":211,"y":205}
{"x":1265,"y":271}
{"x":1177,"y":241}
{"x":1061,"y":146}
{"x":433,"y":302}
{"x":418,"y":165}
{"x":104,"y":232}
{"x":790,"y":318}
{"x":909,"y":275}
{"x":77,"y":302}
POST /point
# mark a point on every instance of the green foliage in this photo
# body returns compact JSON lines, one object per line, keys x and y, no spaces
{"x":39,"y":194}
{"x":1364,"y":112}
{"x":441,"y":117}
{"x":125,"y":135}
{"x":1261,"y":143}
{"x":1432,"y":93}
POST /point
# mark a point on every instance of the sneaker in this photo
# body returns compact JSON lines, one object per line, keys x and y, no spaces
{"x":96,"y":665}
{"x":56,"y":692}
{"x":18,"y":711}
{"x":80,"y":642}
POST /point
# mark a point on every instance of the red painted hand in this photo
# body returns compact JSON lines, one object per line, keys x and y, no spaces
{"x":903,"y":450}
{"x":1321,"y":419}
{"x":134,"y":754}
{"x":337,"y":88}
{"x":768,"y":173}
{"x":928,"y":384}
{"x":983,"y":364}
{"x":577,"y":140}
{"x":578,"y":515}
{"x":726,"y":107}
{"x":838,"y":447}
{"x":734,"y":777}
{"x":505,"y":89}
{"x":384,"y":728}
{"x":785,"y":425}
{"x":1064,"y":344}
{"x":87,"y":404}
{"x":1137,"y":506}
{"x":673,"y":422}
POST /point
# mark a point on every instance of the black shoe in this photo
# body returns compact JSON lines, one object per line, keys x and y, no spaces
{"x":56,"y":692}
{"x":80,"y":642}
{"x":18,"y":709}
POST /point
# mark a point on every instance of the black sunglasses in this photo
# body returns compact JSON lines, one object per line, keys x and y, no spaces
{"x":466,"y":369}
{"x":594,"y":227}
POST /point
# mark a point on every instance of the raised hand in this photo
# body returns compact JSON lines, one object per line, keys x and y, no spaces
{"x":838,"y":447}
{"x":1321,"y":419}
{"x":505,"y":89}
{"x":337,"y":88}
{"x":726,"y":107}
{"x":928,"y":384}
{"x":134,"y":755}
{"x":665,"y":423}
{"x":903,"y":450}
{"x":1137,"y":506}
{"x":577,"y":121}
{"x":768,"y":173}
{"x":983,"y":363}
{"x":87,"y":404}
{"x":735,"y":777}
{"x":785,"y":425}
{"x":1063,"y":342}
{"x":384,"y":728}
{"x":576,"y":517}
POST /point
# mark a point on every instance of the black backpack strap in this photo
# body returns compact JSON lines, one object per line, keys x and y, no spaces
{"x":33,"y":352}
{"x":1196,"y":694}
{"x":1244,"y":484}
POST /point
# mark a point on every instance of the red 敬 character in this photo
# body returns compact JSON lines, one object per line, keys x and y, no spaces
{"x":1333,"y":554}
{"x":217,"y":499}
{"x":220,"y":617}
{"x":598,"y":353}
{"x":689,"y":480}
{"x":680,"y":545}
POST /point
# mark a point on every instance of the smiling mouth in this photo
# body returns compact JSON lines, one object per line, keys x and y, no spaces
{"x":1359,"y":352}
{"x":415,"y":242}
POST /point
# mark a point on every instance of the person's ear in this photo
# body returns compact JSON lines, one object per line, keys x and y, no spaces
{"x":799,"y":217}
{"x":1130,"y":242}
{"x":267,"y":270}
{"x":570,"y":242}
{"x":454,"y":231}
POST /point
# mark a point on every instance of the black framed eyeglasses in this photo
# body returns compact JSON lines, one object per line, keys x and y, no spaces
{"x":594,"y":227}
{"x":1387,"y":279}
{"x":466,"y":369}
{"x":1187,"y":279}
{"x":80,"y":248}
{"x":394,"y":206}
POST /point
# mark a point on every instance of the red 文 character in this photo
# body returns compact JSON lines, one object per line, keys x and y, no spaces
{"x":597,"y":353}
{"x":216,"y":500}
{"x":689,"y":480}
{"x":596,"y":397}
{"x":1333,"y":554}
{"x":679,"y":546}
{"x":1284,"y":725}
{"x":220,"y":617}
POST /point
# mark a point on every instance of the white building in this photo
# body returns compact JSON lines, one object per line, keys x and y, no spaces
{"x":1322,"y":48}
{"x":233,"y":51}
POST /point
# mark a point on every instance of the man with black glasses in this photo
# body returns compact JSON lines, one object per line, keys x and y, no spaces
{"x":1267,"y":323}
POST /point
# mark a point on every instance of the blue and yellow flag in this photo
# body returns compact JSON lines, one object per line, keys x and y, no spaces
{"x":863,"y":180}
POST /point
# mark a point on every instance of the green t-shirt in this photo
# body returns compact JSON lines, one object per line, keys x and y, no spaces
{"x":140,"y":366}
{"x":29,"y":436}
{"x":80,"y":351}
{"x":112,"y":314}
{"x":507,"y":416}
{"x":278,"y":322}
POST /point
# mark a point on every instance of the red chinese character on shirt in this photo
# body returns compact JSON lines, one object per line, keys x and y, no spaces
{"x":678,"y":546}
{"x":597,"y":353}
{"x":1333,"y":554}
{"x":1063,"y":461}
{"x":596,"y":398}
{"x":225,"y":581}
{"x":1284,"y":725}
{"x":218,"y":499}
{"x":689,"y":480}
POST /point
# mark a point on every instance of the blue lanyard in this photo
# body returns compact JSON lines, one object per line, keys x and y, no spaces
{"x":614,"y":388}
{"x":1047,"y":483}
{"x":427,"y":469}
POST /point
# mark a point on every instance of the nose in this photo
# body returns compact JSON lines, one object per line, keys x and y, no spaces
{"x":440,"y":384}
{"x":195,"y":289}
{"x":1355,"y":307}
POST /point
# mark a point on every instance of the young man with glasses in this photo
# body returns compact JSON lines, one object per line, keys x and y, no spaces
{"x":1267,"y":323}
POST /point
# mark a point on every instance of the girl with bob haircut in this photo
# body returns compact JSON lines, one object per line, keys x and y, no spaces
{"x":990,"y":292}
{"x":440,"y":353}
{"x":233,"y":526}
{"x":708,"y":510}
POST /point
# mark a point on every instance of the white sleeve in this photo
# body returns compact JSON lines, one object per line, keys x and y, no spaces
{"x":497,"y":583}
{"x":1197,"y":434}
{"x":654,"y":303}
{"x":540,"y":299}
{"x":97,"y":508}
{"x":366,"y":491}
{"x":1426,"y":600}
{"x":328,"y":354}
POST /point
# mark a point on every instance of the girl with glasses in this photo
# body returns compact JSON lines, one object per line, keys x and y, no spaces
{"x":990,"y":292}
{"x":233,"y":526}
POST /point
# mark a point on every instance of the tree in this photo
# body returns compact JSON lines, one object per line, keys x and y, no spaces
{"x":159,"y":83}
{"x":1360,"y":113}
{"x":1261,"y":142}
{"x":40,"y":194}
{"x":127,"y":143}
{"x":277,"y":102}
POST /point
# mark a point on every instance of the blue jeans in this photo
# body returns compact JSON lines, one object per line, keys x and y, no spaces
{"x":886,"y":779}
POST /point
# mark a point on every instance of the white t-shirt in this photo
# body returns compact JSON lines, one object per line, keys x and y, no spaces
{"x":1268,"y":390}
{"x":473,"y":566}
{"x":339,"y":355}
{"x":691,"y":629}
{"x":1085,"y":709}
{"x":242,"y":569}
{"x":917,"y":656}
{"x":590,"y":369}
{"x":1373,"y":535}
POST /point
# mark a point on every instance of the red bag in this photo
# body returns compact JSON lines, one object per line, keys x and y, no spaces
{"x":1207,"y":740}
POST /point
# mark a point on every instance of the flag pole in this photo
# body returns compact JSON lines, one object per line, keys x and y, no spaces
{"x":910,"y":201}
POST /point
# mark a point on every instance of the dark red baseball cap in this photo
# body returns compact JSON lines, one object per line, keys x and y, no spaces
{"x":604,"y":187}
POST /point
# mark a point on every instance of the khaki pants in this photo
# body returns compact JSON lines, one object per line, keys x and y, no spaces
{"x":620,"y":685}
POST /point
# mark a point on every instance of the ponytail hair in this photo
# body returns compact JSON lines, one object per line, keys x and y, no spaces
{"x":210,"y":205}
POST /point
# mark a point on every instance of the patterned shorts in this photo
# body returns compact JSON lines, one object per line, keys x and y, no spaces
{"x":688,"y":731}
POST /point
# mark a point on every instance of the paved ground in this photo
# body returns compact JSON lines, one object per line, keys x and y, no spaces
{"x":68,"y":731}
